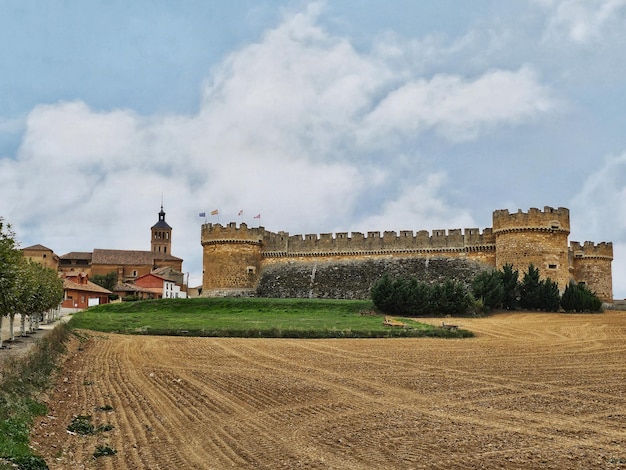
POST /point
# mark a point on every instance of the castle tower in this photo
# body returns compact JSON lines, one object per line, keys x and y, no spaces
{"x":231,"y":259}
{"x":537,"y":237}
{"x":161,"y":235}
{"x":591,"y":264}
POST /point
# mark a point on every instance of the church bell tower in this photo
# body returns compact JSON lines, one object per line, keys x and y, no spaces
{"x":161,"y":240}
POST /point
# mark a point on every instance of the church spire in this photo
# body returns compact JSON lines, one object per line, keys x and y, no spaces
{"x":161,"y":235}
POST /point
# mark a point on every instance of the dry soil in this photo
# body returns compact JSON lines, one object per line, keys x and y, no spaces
{"x":529,"y":391}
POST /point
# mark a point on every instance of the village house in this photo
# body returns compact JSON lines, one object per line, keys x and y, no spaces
{"x":79,"y":292}
{"x":160,"y":287}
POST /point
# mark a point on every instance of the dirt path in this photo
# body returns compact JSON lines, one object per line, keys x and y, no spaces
{"x":22,"y":344}
{"x":530,"y":391}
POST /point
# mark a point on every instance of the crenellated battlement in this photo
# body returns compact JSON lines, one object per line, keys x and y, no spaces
{"x":549,"y":219}
{"x":217,"y":233}
{"x":283,"y":244}
{"x":592,"y":250}
{"x":358,"y":242}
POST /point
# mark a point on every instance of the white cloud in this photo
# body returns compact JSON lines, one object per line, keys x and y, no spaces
{"x":584,"y":21}
{"x":287,"y":127}
{"x":418,"y":207}
{"x":457,"y":108}
{"x":600,"y":214}
{"x":600,"y":205}
{"x":619,"y":274}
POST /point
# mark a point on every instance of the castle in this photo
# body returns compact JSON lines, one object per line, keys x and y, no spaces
{"x":253,"y":261}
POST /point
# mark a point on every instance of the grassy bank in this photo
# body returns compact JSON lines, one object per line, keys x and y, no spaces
{"x":252,"y":317}
{"x":22,"y":380}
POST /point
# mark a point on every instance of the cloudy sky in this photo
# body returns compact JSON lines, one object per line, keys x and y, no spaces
{"x":320,"y":116}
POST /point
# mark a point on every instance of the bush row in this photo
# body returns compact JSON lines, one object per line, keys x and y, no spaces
{"x":497,"y":289}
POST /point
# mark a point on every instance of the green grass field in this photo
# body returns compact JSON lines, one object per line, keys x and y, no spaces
{"x":251,"y":317}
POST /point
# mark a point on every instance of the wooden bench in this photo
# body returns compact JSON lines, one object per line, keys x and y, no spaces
{"x":391,"y":322}
{"x":449,"y":327}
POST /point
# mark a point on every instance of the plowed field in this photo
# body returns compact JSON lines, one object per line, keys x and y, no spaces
{"x":529,"y":391}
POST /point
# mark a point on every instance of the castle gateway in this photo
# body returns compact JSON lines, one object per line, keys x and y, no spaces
{"x":243,"y":261}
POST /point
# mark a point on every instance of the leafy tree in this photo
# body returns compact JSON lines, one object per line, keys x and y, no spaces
{"x":9,"y":257}
{"x":26,"y":287}
{"x":108,"y":281}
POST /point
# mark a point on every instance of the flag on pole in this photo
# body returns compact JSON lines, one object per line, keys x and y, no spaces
{"x":202,"y":214}
{"x":258,"y":216}
{"x":240,"y":213}
{"x":215,"y":212}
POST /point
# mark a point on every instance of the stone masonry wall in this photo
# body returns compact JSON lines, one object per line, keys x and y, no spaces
{"x":348,"y":279}
{"x":534,"y":237}
{"x":592,"y":265}
{"x":232,"y":266}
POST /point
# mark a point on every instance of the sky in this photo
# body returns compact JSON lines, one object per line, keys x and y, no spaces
{"x":321,"y":116}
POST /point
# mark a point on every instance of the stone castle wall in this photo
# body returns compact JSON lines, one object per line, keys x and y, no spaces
{"x":239,"y":260}
{"x":353,"y":278}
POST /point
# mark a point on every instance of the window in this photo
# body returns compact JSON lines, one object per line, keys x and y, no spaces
{"x":134,"y":273}
{"x":552,"y":266}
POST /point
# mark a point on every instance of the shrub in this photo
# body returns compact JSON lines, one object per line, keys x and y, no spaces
{"x":550,"y":300}
{"x":530,"y":296}
{"x":449,"y":298}
{"x":488,"y":286}
{"x":103,"y":450}
{"x":510,"y":284}
{"x":410,"y":297}
{"x":578,"y":298}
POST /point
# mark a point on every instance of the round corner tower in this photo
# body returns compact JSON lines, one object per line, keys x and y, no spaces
{"x":537,"y":237}
{"x":231,"y":259}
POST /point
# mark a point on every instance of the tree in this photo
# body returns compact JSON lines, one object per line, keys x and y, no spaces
{"x":536,"y":294}
{"x":489,"y":287}
{"x":449,"y":298}
{"x":578,"y":298}
{"x":108,"y":281}
{"x":530,"y":295}
{"x":510,"y":284}
{"x":381,"y":293}
{"x":9,"y":258}
{"x":550,"y":300}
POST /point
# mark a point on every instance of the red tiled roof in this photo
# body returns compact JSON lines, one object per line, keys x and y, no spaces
{"x":117,"y":257}
{"x":127,"y":287}
{"x":89,"y":287}
{"x":37,"y":248}
{"x":77,"y":255}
